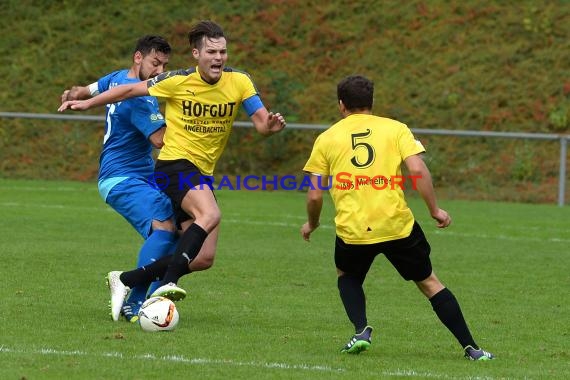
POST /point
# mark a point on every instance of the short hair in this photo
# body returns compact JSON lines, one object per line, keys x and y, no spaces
{"x":146,"y":44}
{"x":356,"y":92}
{"x":204,"y":28}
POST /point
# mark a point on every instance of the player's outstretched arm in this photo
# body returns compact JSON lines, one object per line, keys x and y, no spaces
{"x":423,"y":183}
{"x":267,"y":123}
{"x":113,"y":95}
{"x":76,"y":93}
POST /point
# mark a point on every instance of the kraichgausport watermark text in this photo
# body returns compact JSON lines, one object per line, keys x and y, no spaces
{"x":340,"y":181}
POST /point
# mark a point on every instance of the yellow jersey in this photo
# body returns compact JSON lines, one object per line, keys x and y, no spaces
{"x":362,"y":154}
{"x":199,"y":116}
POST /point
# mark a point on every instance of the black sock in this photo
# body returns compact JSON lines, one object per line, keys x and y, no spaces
{"x":449,"y":313}
{"x":146,"y":274}
{"x":187,"y":249}
{"x":353,"y":299}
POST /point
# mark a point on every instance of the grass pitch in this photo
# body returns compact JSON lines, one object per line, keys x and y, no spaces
{"x":269,"y":307}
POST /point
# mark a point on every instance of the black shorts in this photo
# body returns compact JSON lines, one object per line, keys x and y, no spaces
{"x":175,"y":178}
{"x":409,"y":255}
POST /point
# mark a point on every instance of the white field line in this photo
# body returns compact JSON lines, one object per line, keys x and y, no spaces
{"x":501,"y":237}
{"x":44,"y":188}
{"x":301,"y":219}
{"x":268,"y":223}
{"x":229,"y":362}
{"x":172,"y":358}
{"x":54,"y":206}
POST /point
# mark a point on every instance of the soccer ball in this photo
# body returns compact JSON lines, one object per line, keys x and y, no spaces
{"x":158,"y":314}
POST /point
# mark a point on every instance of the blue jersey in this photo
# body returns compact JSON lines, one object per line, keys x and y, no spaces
{"x":127,"y":151}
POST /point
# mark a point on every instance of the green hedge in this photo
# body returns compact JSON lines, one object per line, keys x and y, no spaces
{"x":477,"y":65}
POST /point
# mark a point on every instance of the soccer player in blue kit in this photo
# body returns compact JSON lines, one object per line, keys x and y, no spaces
{"x":133,"y":127}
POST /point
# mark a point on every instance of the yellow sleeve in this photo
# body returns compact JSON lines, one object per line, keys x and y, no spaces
{"x":408,"y":145}
{"x":317,"y":163}
{"x":248,"y":87}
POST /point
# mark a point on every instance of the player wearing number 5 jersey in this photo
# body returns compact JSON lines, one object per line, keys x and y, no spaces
{"x":362,"y":161}
{"x":133,"y":127}
{"x":372,"y":216}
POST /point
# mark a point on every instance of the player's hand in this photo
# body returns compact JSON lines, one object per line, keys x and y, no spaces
{"x":65,"y":96}
{"x":275,"y":122}
{"x":76,"y":105}
{"x":306,"y":231}
{"x":442,"y":218}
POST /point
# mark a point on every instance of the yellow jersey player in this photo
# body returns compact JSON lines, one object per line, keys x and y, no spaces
{"x":363,"y":154}
{"x":201,"y":106}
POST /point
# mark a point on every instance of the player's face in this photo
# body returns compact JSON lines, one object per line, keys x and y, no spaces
{"x":211,"y":57}
{"x":152,"y":64}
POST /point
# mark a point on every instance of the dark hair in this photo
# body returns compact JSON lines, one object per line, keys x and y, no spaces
{"x":148,"y":43}
{"x":205,"y":28}
{"x":356,"y":92}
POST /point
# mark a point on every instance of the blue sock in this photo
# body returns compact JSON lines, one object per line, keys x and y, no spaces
{"x":157,"y":284}
{"x":159,"y":244}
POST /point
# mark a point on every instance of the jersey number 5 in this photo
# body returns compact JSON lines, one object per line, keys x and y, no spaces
{"x":364,"y":147}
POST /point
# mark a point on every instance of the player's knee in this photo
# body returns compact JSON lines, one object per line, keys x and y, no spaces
{"x":430,"y":286}
{"x":167,"y":225}
{"x":215,"y":217}
{"x":210,"y":219}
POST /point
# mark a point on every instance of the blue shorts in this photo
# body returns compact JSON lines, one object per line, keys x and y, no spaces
{"x":140,"y":203}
